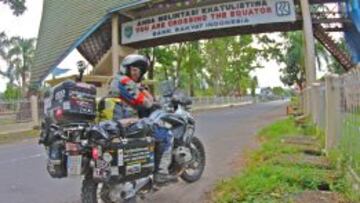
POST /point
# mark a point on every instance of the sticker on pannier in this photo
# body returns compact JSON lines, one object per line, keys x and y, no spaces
{"x":120,"y":157}
{"x":133,"y":169}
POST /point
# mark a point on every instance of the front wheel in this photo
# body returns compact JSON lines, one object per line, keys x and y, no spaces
{"x":195,"y":169}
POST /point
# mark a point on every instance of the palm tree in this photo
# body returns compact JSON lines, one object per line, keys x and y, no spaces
{"x":4,"y":48}
{"x":3,"y":43}
{"x":20,"y":56}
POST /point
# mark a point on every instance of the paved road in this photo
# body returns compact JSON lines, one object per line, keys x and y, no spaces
{"x":226,"y":133}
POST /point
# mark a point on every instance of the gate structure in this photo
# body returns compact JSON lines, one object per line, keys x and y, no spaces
{"x":106,"y":31}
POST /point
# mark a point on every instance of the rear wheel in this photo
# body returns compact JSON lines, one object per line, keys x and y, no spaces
{"x":195,"y":169}
{"x":89,"y":191}
{"x":93,"y":192}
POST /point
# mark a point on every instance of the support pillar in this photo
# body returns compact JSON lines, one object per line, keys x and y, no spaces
{"x":315,"y":95}
{"x":115,"y":44}
{"x":307,"y":99}
{"x":332,"y":112}
{"x":310,"y":67}
{"x":34,"y":110}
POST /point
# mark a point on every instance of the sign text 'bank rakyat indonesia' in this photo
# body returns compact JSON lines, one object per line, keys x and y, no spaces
{"x":224,"y":15}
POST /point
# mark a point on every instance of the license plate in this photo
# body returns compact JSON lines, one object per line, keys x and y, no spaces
{"x":71,"y":147}
{"x":74,"y":165}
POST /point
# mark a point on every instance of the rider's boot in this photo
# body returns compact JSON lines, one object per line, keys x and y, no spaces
{"x":162,"y":176}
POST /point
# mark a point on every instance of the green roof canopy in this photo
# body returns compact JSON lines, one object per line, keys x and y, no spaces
{"x":65,"y":25}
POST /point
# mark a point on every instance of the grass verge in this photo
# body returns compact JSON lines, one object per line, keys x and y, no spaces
{"x":15,"y":137}
{"x":265,"y":179}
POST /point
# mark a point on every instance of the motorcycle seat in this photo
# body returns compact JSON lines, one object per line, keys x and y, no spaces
{"x":139,"y":129}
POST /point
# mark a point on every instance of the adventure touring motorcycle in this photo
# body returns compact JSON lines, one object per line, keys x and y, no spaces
{"x":117,"y":163}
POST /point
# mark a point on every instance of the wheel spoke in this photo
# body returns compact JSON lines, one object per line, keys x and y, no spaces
{"x":195,"y":167}
{"x":195,"y":164}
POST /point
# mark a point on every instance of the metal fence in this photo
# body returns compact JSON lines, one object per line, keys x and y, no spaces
{"x":15,"y":112}
{"x":335,"y":108}
{"x":349,"y":87}
{"x":215,"y":101}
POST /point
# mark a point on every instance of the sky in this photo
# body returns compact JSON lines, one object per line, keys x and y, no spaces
{"x":27,"y":25}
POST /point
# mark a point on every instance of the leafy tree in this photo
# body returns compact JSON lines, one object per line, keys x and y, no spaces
{"x":161,"y":60}
{"x":178,"y":62}
{"x":193,"y":66}
{"x":229,"y":63}
{"x":294,"y":59}
{"x":7,"y":71}
{"x":219,"y":66}
{"x":177,"y":71}
{"x":216,"y":53}
{"x":270,"y":48}
{"x":3,"y":44}
{"x":17,"y":6}
{"x":294,"y":71}
{"x":278,"y":91}
{"x":244,"y":59}
{"x":11,"y":93}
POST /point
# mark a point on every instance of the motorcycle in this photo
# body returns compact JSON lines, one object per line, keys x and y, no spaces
{"x":118,"y":162}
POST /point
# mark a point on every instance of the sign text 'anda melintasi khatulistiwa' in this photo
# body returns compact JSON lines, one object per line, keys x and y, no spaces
{"x":224,"y":15}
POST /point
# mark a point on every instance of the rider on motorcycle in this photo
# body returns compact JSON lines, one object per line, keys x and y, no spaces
{"x":127,"y":84}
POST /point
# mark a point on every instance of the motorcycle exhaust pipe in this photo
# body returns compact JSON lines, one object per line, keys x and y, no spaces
{"x":128,"y":190}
